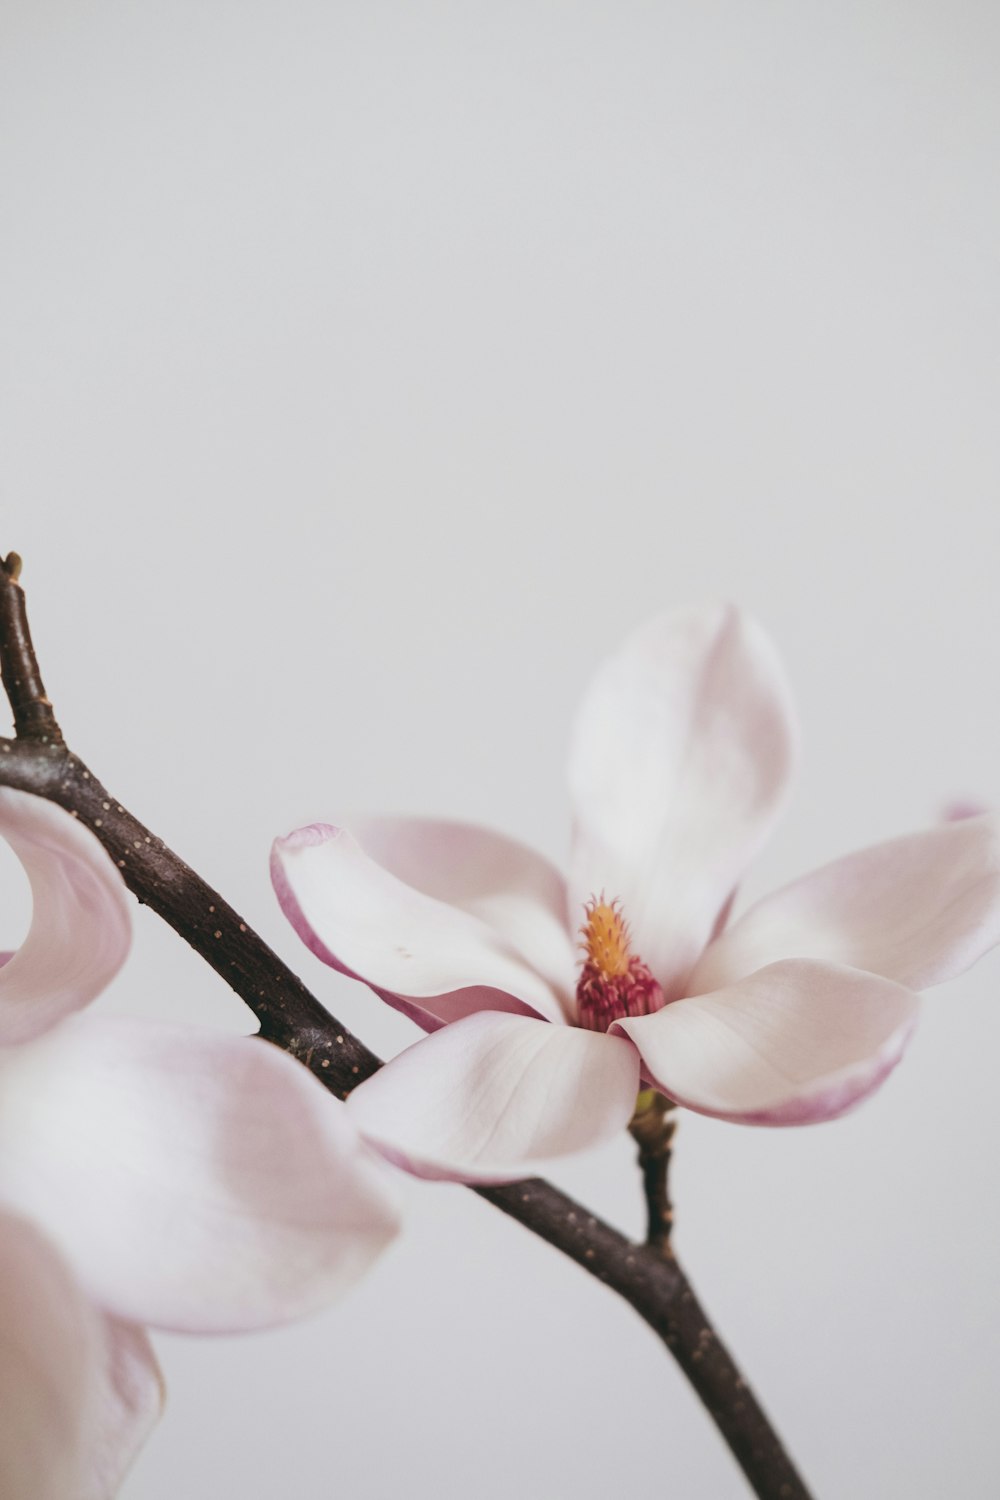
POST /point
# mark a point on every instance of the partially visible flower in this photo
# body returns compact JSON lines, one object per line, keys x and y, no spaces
{"x":963,"y":807}
{"x":78,"y":1390}
{"x":680,"y":763}
{"x":150,"y":1174}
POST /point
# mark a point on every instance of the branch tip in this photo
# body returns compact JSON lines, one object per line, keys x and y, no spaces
{"x":22,"y":680}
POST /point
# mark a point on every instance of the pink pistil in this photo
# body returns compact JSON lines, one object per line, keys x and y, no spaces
{"x":613,"y":983}
{"x":603,"y":998}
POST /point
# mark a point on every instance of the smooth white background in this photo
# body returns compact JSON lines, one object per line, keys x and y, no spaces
{"x":368,"y":370}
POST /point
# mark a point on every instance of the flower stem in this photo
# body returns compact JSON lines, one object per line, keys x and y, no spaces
{"x":652,"y":1128}
{"x":648,"y":1277}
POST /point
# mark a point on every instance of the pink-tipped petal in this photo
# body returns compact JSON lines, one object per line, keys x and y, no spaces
{"x":127,"y":1395}
{"x":49,"y":1352}
{"x":918,"y":909}
{"x":681,"y":757}
{"x":793,"y":1044}
{"x":200,"y":1182}
{"x":80,"y":927}
{"x":491,"y":1097}
{"x":964,"y":807}
{"x":436,"y":961}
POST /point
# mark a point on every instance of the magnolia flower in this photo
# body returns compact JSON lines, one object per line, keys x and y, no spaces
{"x":149,"y":1174}
{"x":680,"y":764}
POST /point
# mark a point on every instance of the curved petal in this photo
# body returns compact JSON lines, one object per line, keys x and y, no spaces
{"x":680,"y":760}
{"x":126,"y":1403}
{"x":793,"y":1044}
{"x":492,"y":1096}
{"x":918,"y":909}
{"x":49,"y":1348}
{"x":199,"y":1181}
{"x":515,"y":890}
{"x":429,"y":958}
{"x":80,"y":926}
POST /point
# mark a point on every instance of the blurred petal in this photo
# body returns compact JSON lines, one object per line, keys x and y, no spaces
{"x":80,"y":926}
{"x":430,"y":958}
{"x":918,"y":909}
{"x":492,"y":1096}
{"x":199,"y":1181}
{"x":126,"y":1403}
{"x":795,"y":1043}
{"x":964,"y":807}
{"x":681,"y":757}
{"x":49,"y":1348}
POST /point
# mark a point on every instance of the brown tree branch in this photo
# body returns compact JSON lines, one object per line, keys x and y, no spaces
{"x":38,"y":761}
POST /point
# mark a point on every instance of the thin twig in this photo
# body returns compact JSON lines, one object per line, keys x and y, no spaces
{"x":290,"y":1016}
{"x":33,"y":716}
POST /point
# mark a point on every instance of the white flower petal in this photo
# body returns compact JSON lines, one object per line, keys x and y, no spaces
{"x":681,"y":757}
{"x":515,"y":890}
{"x":49,"y":1349}
{"x":80,"y":927}
{"x":918,"y":909}
{"x":430,"y":958}
{"x":792,"y":1044}
{"x":490,"y":1097}
{"x":127,"y":1396}
{"x":198,"y":1181}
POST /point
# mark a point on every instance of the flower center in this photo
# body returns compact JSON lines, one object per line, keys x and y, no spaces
{"x":613,"y":982}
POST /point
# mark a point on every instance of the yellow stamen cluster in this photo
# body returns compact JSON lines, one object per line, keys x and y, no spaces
{"x":605,"y":937}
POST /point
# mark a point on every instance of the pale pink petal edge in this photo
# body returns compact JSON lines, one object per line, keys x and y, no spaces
{"x":80,"y":930}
